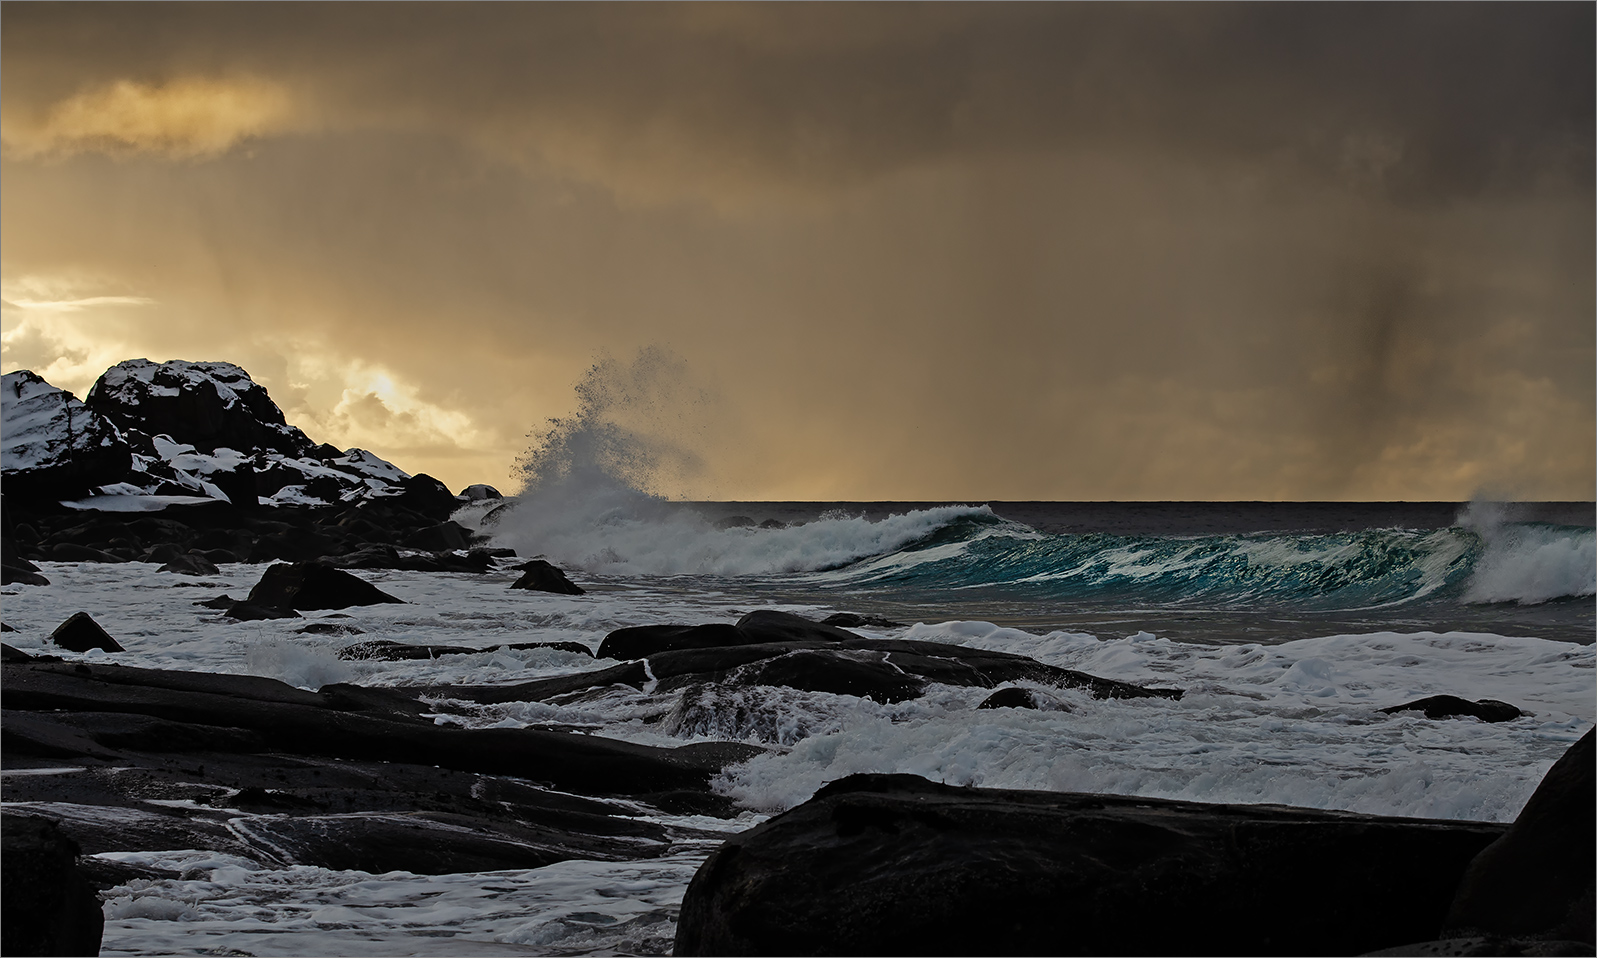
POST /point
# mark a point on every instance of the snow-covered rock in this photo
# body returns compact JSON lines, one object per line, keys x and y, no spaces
{"x":206,"y":405}
{"x":186,"y":431}
{"x":51,"y":444}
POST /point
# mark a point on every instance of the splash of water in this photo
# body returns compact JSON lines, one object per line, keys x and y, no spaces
{"x":1527,"y":563}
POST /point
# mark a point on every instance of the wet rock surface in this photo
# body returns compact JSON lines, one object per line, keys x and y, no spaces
{"x":900,"y":865}
{"x":346,"y":777}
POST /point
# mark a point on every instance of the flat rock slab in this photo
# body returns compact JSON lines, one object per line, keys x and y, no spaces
{"x":347,"y":722}
{"x":894,"y":864}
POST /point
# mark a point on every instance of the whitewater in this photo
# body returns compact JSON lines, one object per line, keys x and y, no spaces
{"x":1288,"y":630}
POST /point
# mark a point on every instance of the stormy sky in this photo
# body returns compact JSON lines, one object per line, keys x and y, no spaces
{"x":876,"y":251}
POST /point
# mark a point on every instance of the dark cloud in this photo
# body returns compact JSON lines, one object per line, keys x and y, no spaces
{"x":1029,"y":250}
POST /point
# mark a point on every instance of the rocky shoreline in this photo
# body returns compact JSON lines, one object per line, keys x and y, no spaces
{"x":185,"y":466}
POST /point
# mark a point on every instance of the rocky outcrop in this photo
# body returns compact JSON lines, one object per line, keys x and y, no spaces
{"x":345,"y":777}
{"x":807,"y":655}
{"x":207,"y":405}
{"x":1536,"y":881}
{"x":50,"y":908}
{"x":895,"y":864}
{"x":53,"y":445}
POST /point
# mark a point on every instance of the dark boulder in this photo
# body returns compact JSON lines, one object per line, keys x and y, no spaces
{"x":246,"y":611}
{"x":385,"y":650}
{"x":734,"y":522}
{"x":162,"y":552}
{"x":641,"y":641}
{"x":1451,"y":706}
{"x":865,"y":674}
{"x":80,"y":633}
{"x":50,"y":907}
{"x":1015,"y":697}
{"x":1537,"y":880}
{"x":894,"y":864}
{"x":238,"y":485}
{"x":223,"y":601}
{"x":479,"y":491}
{"x":72,"y":552}
{"x":313,"y":585}
{"x":769,"y":625}
{"x":543,"y":577}
{"x":447,"y":535}
{"x":426,"y":495}
{"x":330,"y":628}
{"x":190,"y":564}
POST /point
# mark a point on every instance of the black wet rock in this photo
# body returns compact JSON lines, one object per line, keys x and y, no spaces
{"x":895,"y":864}
{"x":337,"y":722}
{"x":50,"y":907}
{"x":735,"y":522}
{"x":917,"y":663}
{"x":223,"y":601}
{"x":9,"y":653}
{"x":1016,"y":697}
{"x":1537,"y":879}
{"x":445,"y":536}
{"x":385,"y":650}
{"x":312,"y":585}
{"x":769,"y":625}
{"x":246,"y":611}
{"x":1451,"y":706}
{"x":1484,"y":945}
{"x":479,"y":491}
{"x":80,"y":633}
{"x":862,"y":673}
{"x":330,"y":628}
{"x":852,"y":620}
{"x":541,"y":576}
{"x":190,"y":564}
{"x":6,"y":627}
{"x":638,"y":642}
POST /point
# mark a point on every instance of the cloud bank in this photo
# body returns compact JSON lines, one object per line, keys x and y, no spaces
{"x":943,"y":251}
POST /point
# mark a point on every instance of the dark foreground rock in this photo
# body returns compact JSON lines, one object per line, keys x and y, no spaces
{"x":540,"y":576}
{"x":1537,"y":880}
{"x":313,"y":585}
{"x":346,"y":777}
{"x":1451,"y":706}
{"x":894,"y":864}
{"x":50,"y":907}
{"x":80,"y":633}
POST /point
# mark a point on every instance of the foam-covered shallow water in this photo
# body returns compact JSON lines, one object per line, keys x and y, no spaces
{"x":1288,"y":643}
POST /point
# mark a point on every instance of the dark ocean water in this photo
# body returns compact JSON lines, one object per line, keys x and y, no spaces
{"x":1226,"y":572}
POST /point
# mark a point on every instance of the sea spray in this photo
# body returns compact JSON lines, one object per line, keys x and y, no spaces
{"x":1527,"y":563}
